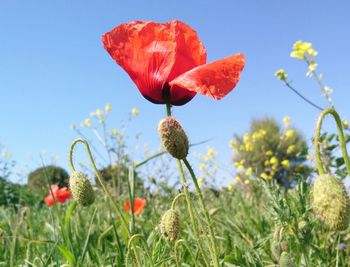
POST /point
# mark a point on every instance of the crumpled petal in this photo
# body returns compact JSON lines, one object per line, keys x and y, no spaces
{"x":49,"y":200}
{"x":215,"y":79}
{"x":62,"y":195}
{"x":155,"y":53}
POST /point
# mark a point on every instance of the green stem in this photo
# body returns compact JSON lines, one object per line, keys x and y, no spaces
{"x":205,"y":212}
{"x":190,"y":211}
{"x":139,"y":236}
{"x":131,"y":189}
{"x":183,"y":242}
{"x":341,"y":137}
{"x":98,"y":175}
{"x":173,"y":204}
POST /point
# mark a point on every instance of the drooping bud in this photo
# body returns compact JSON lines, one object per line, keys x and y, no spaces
{"x":81,"y":189}
{"x":286,"y":260}
{"x":169,"y":224}
{"x":174,"y":138}
{"x":331,"y":202}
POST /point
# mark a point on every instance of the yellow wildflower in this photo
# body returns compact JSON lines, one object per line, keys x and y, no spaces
{"x":99,"y":112}
{"x":249,"y":147}
{"x":274,"y":161}
{"x":285,"y":163}
{"x":87,"y":122}
{"x":240,"y":168}
{"x":230,"y":187}
{"x":211,"y":152}
{"x":249,"y":171}
{"x":202,"y":167}
{"x":281,"y":74}
{"x":134,"y":112}
{"x":312,"y":67}
{"x":291,"y":149}
{"x":108,"y":107}
{"x":286,"y":121}
{"x":265,"y":176}
{"x":232,"y":144}
{"x":289,"y":133}
{"x":246,"y":137}
{"x":247,"y":181}
{"x":269,"y":153}
{"x":92,"y":113}
{"x":115,"y":132}
{"x":237,"y":179}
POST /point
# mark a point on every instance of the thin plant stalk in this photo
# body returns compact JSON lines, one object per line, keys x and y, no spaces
{"x":204,"y":210}
{"x":80,"y":140}
{"x":341,"y":137}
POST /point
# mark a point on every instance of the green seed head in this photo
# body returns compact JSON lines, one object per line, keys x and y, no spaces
{"x":331,"y":202}
{"x":286,"y":260}
{"x":169,"y":224}
{"x":81,"y":189}
{"x":275,"y":250}
{"x":174,"y":138}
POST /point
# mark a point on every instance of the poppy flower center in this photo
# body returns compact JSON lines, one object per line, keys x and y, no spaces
{"x":166,"y":92}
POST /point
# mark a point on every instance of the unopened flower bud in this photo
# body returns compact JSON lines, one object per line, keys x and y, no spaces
{"x":169,"y":225}
{"x":174,"y":138}
{"x":275,"y":248}
{"x":81,"y":189}
{"x":331,"y":202}
{"x":286,"y":260}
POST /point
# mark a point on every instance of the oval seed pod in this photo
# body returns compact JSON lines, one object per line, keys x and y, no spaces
{"x":174,"y":138}
{"x":286,"y":260}
{"x":81,"y":189}
{"x":169,"y":225}
{"x":275,"y":248}
{"x":330,"y":201}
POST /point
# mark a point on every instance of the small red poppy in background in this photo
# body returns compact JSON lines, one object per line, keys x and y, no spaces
{"x":61,"y":195}
{"x":139,"y":205}
{"x":167,"y":62}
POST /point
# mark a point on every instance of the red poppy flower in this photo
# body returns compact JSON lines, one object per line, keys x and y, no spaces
{"x":166,"y":61}
{"x":139,"y":204}
{"x":61,"y":195}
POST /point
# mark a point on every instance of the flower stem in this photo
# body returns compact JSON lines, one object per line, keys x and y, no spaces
{"x":341,"y":137}
{"x":98,"y":175}
{"x":302,"y":97}
{"x":205,"y":212}
{"x":190,"y":211}
{"x":173,"y":204}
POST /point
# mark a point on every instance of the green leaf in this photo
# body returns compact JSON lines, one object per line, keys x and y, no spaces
{"x":67,"y":254}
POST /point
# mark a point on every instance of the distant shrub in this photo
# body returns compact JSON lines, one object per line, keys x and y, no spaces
{"x":269,"y":151}
{"x":39,"y":179}
{"x":15,"y":195}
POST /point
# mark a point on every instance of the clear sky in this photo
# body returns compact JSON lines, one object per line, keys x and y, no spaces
{"x":54,"y":70}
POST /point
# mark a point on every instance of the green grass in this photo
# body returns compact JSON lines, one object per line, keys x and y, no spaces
{"x":244,"y":223}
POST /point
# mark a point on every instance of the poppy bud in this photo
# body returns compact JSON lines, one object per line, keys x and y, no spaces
{"x":286,"y":260}
{"x":169,"y":224}
{"x":275,"y":248}
{"x":81,"y":189}
{"x":173,"y":137}
{"x":331,"y":202}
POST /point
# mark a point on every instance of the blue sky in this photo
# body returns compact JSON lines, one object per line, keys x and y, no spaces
{"x":54,"y":70}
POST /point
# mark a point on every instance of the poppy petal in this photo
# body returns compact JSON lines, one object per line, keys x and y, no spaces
{"x":139,"y":204}
{"x":62,"y":195}
{"x":146,"y":51}
{"x":215,"y":79}
{"x":49,"y":200}
{"x":154,"y":54}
